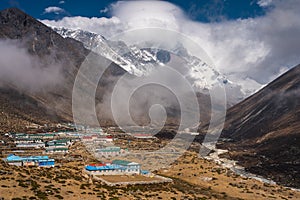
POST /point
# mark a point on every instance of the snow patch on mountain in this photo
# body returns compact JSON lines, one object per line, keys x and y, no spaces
{"x":141,"y":62}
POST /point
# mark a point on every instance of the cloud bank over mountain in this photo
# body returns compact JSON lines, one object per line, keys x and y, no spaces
{"x":250,"y":52}
{"x":25,"y":71}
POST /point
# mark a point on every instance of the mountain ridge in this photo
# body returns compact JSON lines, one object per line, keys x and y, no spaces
{"x":264,"y":130}
{"x":140,"y":62}
{"x":43,"y":43}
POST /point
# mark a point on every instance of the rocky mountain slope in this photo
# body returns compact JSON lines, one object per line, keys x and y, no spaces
{"x":55,"y":101}
{"x":44,"y":44}
{"x":12,"y":116}
{"x":264,"y":130}
{"x":51,"y":49}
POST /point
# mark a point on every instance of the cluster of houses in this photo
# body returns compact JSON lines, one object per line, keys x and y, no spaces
{"x":116,"y":167}
{"x":102,"y":145}
{"x":40,"y":161}
{"x":142,"y":135}
{"x":99,"y":142}
{"x":50,"y":142}
{"x":58,"y":146}
{"x":110,"y":151}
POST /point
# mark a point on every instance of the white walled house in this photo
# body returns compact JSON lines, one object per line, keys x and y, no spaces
{"x":31,"y":145}
{"x":117,"y":167}
{"x":110,"y":151}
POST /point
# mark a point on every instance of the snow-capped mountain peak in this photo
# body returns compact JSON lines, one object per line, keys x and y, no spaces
{"x":141,"y":62}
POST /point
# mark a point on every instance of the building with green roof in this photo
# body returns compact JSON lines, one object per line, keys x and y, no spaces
{"x":111,"y":151}
{"x":57,"y":150}
{"x":128,"y":165}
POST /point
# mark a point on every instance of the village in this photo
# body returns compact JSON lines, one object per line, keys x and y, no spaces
{"x":97,"y":163}
{"x":107,"y":147}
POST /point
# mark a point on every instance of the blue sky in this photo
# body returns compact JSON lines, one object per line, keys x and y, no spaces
{"x":199,"y":10}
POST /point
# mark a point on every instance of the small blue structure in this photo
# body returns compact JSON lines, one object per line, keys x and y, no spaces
{"x":46,"y":163}
{"x":145,"y":172}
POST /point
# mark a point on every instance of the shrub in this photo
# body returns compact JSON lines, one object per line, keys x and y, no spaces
{"x":41,"y":195}
{"x":59,"y":196}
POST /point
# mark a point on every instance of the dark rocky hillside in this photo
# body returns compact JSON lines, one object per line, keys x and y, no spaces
{"x":45,"y":44}
{"x":265,"y":132}
{"x":54,"y":103}
{"x":12,"y":115}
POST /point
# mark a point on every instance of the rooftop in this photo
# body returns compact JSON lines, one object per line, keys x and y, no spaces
{"x":124,"y":162}
{"x":57,"y":149}
{"x":109,"y":149}
{"x":12,"y":157}
{"x":103,"y":167}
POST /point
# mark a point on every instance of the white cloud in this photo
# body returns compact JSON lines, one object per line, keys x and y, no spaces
{"x":264,"y":3}
{"x":61,"y":2}
{"x":54,"y":9}
{"x":148,"y":13}
{"x":103,"y":25}
{"x":25,"y":71}
{"x":254,"y":49}
{"x":105,"y":10}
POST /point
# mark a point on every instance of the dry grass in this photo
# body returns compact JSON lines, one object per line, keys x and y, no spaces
{"x":133,"y":178}
{"x":207,"y":174}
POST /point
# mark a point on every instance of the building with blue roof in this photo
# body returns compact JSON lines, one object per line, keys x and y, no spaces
{"x":41,"y":161}
{"x":117,"y":167}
